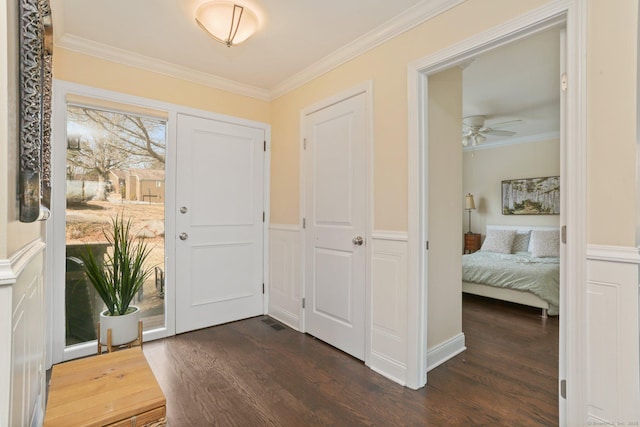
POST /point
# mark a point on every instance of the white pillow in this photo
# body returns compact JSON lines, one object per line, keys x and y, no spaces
{"x":545,"y":243}
{"x":499,"y":241}
{"x":521,"y":241}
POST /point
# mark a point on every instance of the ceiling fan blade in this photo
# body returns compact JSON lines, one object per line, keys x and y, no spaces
{"x":499,"y":132}
{"x":504,"y":124}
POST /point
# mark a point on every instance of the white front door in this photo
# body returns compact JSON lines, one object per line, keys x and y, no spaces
{"x":335,"y":213}
{"x":219,"y":222}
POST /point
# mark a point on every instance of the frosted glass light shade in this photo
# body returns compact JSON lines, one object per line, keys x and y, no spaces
{"x":227,"y":22}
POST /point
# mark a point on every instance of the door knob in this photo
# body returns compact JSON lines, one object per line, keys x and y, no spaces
{"x":183,"y":209}
{"x":358,"y":241}
{"x":184,"y":236}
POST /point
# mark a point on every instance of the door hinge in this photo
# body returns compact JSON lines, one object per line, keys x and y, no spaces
{"x":563,"y":389}
{"x":304,"y":223}
{"x":304,"y":144}
{"x":564,"y":234}
{"x":263,"y":216}
{"x":564,"y":84}
{"x":264,"y":146}
{"x":263,"y":288}
{"x":426,"y":245}
{"x":303,"y":302}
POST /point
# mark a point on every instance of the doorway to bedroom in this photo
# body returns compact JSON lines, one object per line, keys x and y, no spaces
{"x":499,"y":111}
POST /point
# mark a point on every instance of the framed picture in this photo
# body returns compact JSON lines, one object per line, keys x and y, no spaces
{"x":531,"y":196}
{"x":35,"y":49}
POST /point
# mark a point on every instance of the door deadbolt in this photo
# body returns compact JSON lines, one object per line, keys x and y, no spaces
{"x":183,"y":209}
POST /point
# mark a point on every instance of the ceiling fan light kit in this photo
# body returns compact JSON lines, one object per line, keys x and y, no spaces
{"x":474,"y":130}
{"x":227,"y":22}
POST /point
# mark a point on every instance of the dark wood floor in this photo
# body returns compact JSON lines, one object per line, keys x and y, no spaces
{"x":250,"y":373}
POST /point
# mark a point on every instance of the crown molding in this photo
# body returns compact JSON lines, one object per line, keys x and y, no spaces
{"x":402,"y":23}
{"x":539,"y":137}
{"x":109,"y":53}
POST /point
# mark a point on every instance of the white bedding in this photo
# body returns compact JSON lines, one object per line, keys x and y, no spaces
{"x":521,"y":272}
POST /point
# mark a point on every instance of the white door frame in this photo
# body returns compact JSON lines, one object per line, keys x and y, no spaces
{"x":55,"y":277}
{"x":367,"y":89}
{"x":572,"y":14}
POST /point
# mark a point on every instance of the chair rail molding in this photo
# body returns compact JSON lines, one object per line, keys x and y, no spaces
{"x":11,"y":268}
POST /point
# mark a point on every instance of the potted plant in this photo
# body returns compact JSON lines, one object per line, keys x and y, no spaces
{"x":117,"y":280}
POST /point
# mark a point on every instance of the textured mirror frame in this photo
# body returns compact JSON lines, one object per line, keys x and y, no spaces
{"x":35,"y":107}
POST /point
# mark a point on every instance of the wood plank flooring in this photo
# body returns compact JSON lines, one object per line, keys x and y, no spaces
{"x":250,"y":373}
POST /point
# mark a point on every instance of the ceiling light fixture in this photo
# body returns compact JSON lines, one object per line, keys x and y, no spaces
{"x":473,"y":139}
{"x":227,"y":22}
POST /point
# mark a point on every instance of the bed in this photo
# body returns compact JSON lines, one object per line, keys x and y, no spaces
{"x":516,"y":264}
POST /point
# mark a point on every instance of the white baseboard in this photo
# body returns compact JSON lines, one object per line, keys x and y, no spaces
{"x":388,"y":368}
{"x":439,"y":354}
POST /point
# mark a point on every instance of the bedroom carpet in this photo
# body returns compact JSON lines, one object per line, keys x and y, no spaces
{"x":250,"y":373}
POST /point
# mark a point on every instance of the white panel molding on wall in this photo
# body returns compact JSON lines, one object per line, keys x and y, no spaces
{"x":389,"y":305}
{"x":612,"y":351}
{"x":285,"y":278}
{"x":22,"y":375}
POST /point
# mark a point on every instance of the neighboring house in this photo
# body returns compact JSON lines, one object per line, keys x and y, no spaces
{"x":118,"y":179}
{"x":145,"y":185}
{"x":609,"y":331}
{"x":142,"y":185}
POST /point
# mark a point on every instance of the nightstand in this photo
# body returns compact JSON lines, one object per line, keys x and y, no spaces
{"x":471,"y":242}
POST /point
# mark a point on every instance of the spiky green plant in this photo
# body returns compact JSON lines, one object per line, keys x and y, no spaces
{"x":123,"y":273}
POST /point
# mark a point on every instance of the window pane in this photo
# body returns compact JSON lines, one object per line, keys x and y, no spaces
{"x":115,"y":165}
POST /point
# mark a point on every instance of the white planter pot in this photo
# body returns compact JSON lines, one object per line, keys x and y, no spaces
{"x":124,"y":329}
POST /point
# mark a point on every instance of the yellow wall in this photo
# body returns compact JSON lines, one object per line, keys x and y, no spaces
{"x":13,"y":234}
{"x":91,"y":71}
{"x":5,"y":99}
{"x":611,"y":98}
{"x":386,"y":66}
{"x":611,"y":135}
{"x":611,"y":109}
{"x":611,"y":69}
{"x":445,"y":206}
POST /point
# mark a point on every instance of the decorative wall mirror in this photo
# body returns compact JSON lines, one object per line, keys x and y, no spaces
{"x":35,"y":57}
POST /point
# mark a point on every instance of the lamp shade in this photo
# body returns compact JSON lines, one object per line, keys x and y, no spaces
{"x":227,"y":22}
{"x":469,"y":204}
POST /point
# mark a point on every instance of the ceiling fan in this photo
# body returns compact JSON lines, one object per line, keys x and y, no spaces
{"x":474,"y":130}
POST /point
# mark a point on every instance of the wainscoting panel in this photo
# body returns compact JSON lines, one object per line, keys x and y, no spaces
{"x":612,"y":335}
{"x":27,"y":343}
{"x":285,"y":279}
{"x":389,"y":305}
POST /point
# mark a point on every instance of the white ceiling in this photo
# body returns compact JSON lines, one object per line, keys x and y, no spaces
{"x":301,"y":39}
{"x":518,"y":81}
{"x":293,"y":34}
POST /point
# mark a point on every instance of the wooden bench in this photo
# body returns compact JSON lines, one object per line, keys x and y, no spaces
{"x":114,"y":389}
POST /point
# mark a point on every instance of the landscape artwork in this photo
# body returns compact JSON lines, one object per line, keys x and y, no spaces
{"x":531,"y":196}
